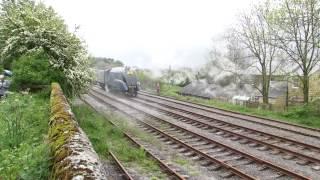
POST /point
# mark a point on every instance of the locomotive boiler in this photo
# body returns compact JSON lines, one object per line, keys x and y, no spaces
{"x":118,"y":80}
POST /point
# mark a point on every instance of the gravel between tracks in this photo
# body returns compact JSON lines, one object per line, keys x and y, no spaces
{"x":283,"y":133}
{"x":111,"y":169}
{"x":306,"y":170}
{"x":280,"y":144}
{"x":161,"y":149}
{"x":277,"y":123}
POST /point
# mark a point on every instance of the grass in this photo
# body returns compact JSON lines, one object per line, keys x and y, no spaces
{"x":303,"y":115}
{"x":132,"y":129}
{"x":187,"y":164}
{"x":24,"y":153}
{"x":104,"y":136}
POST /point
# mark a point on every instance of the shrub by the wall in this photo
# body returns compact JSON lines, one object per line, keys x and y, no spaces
{"x":33,"y":71}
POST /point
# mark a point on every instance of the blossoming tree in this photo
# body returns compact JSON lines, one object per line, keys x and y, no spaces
{"x":27,"y":26}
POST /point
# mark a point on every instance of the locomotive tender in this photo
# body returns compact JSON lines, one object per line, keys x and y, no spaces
{"x":118,"y":79}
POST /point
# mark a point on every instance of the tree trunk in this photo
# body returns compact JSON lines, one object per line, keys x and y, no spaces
{"x":265,"y":98}
{"x":305,"y":82}
{"x":265,"y":87}
{"x":265,"y":94}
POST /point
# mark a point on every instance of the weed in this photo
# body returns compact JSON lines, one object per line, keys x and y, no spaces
{"x":104,"y":136}
{"x":23,"y":151}
{"x":187,"y":164}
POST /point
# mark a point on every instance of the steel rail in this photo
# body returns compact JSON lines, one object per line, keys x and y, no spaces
{"x":214,"y":160}
{"x":169,"y":171}
{"x":297,"y":154}
{"x":166,"y":168}
{"x":234,"y":114}
{"x":121,"y":167}
{"x":260,"y":161}
{"x":238,"y":126}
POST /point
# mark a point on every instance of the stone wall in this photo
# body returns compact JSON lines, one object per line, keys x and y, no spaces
{"x":73,"y":154}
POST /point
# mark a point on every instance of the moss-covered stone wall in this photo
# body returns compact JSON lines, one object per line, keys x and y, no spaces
{"x":73,"y":154}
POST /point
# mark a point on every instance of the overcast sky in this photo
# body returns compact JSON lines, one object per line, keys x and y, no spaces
{"x":150,"y":33}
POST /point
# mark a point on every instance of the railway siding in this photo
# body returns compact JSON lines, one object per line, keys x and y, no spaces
{"x":73,"y":154}
{"x":288,"y":133}
{"x":172,"y":171}
{"x":181,"y":131}
{"x":257,"y":138}
{"x":298,"y":129}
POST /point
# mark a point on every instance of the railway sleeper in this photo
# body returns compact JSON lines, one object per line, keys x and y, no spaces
{"x":234,"y":158}
{"x":190,"y":154}
{"x":196,"y":158}
{"x":250,"y":161}
{"x":214,"y":167}
{"x":263,"y":148}
{"x":206,"y":163}
{"x":316,"y":167}
{"x":254,"y":144}
{"x":207,"y":147}
{"x":289,"y":157}
{"x":222,"y":155}
{"x":227,"y":174}
{"x":199,"y":143}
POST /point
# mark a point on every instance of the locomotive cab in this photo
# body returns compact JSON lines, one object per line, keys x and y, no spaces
{"x":132,"y":83}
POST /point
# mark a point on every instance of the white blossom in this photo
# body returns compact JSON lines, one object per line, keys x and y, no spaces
{"x":26,"y":26}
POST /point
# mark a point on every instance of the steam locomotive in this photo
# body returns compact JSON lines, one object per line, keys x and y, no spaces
{"x":118,"y":80}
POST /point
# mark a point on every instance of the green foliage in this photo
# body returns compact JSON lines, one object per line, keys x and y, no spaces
{"x":169,"y":90}
{"x":180,"y":77}
{"x":305,"y":112}
{"x":23,"y":152}
{"x":27,"y":26}
{"x":14,"y":123}
{"x":26,"y":162}
{"x":146,"y":79}
{"x":104,"y":136}
{"x":185,"y":82}
{"x":34,"y":72}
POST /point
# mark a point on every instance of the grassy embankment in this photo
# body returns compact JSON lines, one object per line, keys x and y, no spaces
{"x":24,"y":152}
{"x":303,"y":115}
{"x":104,"y":136}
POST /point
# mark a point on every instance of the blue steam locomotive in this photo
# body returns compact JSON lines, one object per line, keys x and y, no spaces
{"x":118,"y":80}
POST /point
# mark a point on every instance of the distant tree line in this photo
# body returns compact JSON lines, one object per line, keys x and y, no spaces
{"x":103,"y":63}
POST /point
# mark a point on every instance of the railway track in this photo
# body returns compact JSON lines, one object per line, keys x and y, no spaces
{"x":228,"y":161}
{"x":289,"y":149}
{"x":291,"y":127}
{"x":170,"y":171}
{"x":123,"y":174}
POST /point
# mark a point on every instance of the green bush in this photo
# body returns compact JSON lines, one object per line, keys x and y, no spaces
{"x":26,"y":25}
{"x":28,"y":161}
{"x":34,"y":72}
{"x":146,"y":79}
{"x":184,"y":83}
{"x":24,"y":153}
{"x":1,"y":69}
